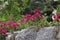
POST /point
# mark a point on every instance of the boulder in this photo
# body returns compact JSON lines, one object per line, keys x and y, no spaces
{"x":58,"y":35}
{"x":46,"y":33}
{"x":26,"y":34}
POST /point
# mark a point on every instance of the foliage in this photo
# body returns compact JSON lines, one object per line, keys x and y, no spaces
{"x":11,"y":9}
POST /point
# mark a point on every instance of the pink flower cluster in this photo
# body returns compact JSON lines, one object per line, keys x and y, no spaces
{"x":28,"y":17}
{"x":3,"y":24}
{"x":12,"y":24}
{"x":56,"y":17}
{"x":2,"y":32}
{"x":5,"y":27}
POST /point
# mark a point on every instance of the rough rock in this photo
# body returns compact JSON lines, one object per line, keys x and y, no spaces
{"x":26,"y":34}
{"x":58,"y":35}
{"x":46,"y":33}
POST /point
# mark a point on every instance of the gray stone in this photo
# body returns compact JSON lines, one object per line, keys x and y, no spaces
{"x":58,"y":35}
{"x":26,"y":34}
{"x":46,"y":33}
{"x":15,"y":33}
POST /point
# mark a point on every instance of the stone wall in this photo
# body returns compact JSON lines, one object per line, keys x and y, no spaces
{"x":46,"y":33}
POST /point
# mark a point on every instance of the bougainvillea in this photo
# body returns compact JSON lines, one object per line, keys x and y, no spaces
{"x":12,"y":24}
{"x":56,"y":17}
{"x":28,"y":17}
{"x":2,"y":32}
{"x":5,"y":26}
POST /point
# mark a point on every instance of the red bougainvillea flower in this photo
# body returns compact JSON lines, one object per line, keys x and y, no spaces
{"x":3,"y":24}
{"x":36,"y":12}
{"x":24,"y":19}
{"x":9,"y":22}
{"x":33,"y":18}
{"x":54,"y":17}
{"x":2,"y":32}
{"x":28,"y":16}
{"x":58,"y":15}
{"x":14,"y":24}
{"x":6,"y":29}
